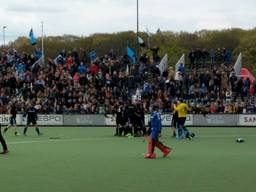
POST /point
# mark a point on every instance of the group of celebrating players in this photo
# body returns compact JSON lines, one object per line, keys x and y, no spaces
{"x":130,"y":121}
{"x":30,"y":113}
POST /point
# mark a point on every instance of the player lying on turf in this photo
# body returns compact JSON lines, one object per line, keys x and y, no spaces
{"x":156,"y":126}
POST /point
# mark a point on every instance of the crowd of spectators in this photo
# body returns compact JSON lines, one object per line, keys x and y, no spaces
{"x":74,"y":84}
{"x":209,"y":59}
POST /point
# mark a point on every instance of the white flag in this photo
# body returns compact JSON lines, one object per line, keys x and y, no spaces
{"x":127,"y":70}
{"x":148,"y":33}
{"x":238,"y":65}
{"x":163,"y":66}
{"x":180,"y":62}
{"x":140,"y":40}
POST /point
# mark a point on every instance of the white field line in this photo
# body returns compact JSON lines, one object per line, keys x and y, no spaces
{"x":111,"y":139}
{"x":226,"y":136}
{"x":59,"y":140}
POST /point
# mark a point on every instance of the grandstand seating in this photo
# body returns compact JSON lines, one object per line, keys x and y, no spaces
{"x":72,"y":84}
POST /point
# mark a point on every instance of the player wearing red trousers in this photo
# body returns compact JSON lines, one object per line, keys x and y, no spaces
{"x":156,"y":126}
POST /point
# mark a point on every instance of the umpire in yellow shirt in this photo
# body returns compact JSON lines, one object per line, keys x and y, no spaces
{"x":182,"y":132}
{"x":182,"y":110}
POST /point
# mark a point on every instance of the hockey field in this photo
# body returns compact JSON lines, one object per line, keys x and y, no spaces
{"x":91,"y":159}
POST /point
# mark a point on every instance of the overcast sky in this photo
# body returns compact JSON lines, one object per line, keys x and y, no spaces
{"x":85,"y":17}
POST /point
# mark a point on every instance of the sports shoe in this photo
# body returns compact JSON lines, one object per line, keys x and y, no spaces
{"x":167,"y":151}
{"x":188,"y":136}
{"x":150,"y":156}
{"x":4,"y":152}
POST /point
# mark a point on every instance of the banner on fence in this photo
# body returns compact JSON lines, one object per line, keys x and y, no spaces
{"x":109,"y":120}
{"x":215,"y":120}
{"x":166,"y":120}
{"x":247,"y":120}
{"x":42,"y":120}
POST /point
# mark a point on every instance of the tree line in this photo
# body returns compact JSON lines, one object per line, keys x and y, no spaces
{"x":173,"y":43}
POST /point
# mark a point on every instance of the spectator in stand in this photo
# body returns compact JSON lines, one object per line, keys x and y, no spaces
{"x":254,"y":88}
{"x":82,"y":68}
{"x":71,"y":87}
{"x":219,"y":57}
{"x":246,"y":87}
{"x":69,"y":62}
{"x":191,"y":56}
{"x":94,"y":69}
{"x":156,"y":58}
{"x":181,"y":69}
{"x":198,"y":57}
{"x":213,"y":108}
{"x":205,"y":56}
{"x":239,"y":89}
{"x":232,"y":81}
{"x":212,"y":58}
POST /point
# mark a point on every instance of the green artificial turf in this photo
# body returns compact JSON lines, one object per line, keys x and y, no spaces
{"x":93,"y":160}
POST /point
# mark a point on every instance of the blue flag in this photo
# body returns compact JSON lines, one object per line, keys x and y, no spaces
{"x":131,"y":54}
{"x":93,"y":55}
{"x":38,"y":54}
{"x":32,"y":37}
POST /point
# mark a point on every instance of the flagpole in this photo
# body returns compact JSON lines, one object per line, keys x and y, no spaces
{"x":148,"y":38}
{"x":137,"y":38}
{"x":42,"y":45}
{"x":148,"y":42}
{"x":128,"y":66}
{"x":4,"y":27}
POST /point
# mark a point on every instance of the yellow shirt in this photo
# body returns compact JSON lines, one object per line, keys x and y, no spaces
{"x":182,"y":110}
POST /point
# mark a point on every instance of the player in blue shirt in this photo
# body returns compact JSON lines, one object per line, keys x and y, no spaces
{"x":156,"y":126}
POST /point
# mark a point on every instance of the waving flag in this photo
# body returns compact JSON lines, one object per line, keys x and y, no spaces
{"x":238,"y":64}
{"x":181,"y":62}
{"x":149,"y":33}
{"x":93,"y":55}
{"x":32,"y":37}
{"x":141,"y":42}
{"x":163,"y":66}
{"x":131,"y":54}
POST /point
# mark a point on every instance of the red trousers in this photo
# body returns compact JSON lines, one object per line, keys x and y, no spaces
{"x":155,"y":143}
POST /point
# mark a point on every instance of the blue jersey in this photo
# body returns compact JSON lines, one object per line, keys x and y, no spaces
{"x":156,"y":124}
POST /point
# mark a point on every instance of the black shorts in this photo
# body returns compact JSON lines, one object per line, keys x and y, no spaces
{"x":122,"y":123}
{"x":181,"y":121}
{"x":138,"y":122}
{"x":13,"y":120}
{"x":132,"y":120}
{"x":174,"y":120}
{"x":31,"y":121}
